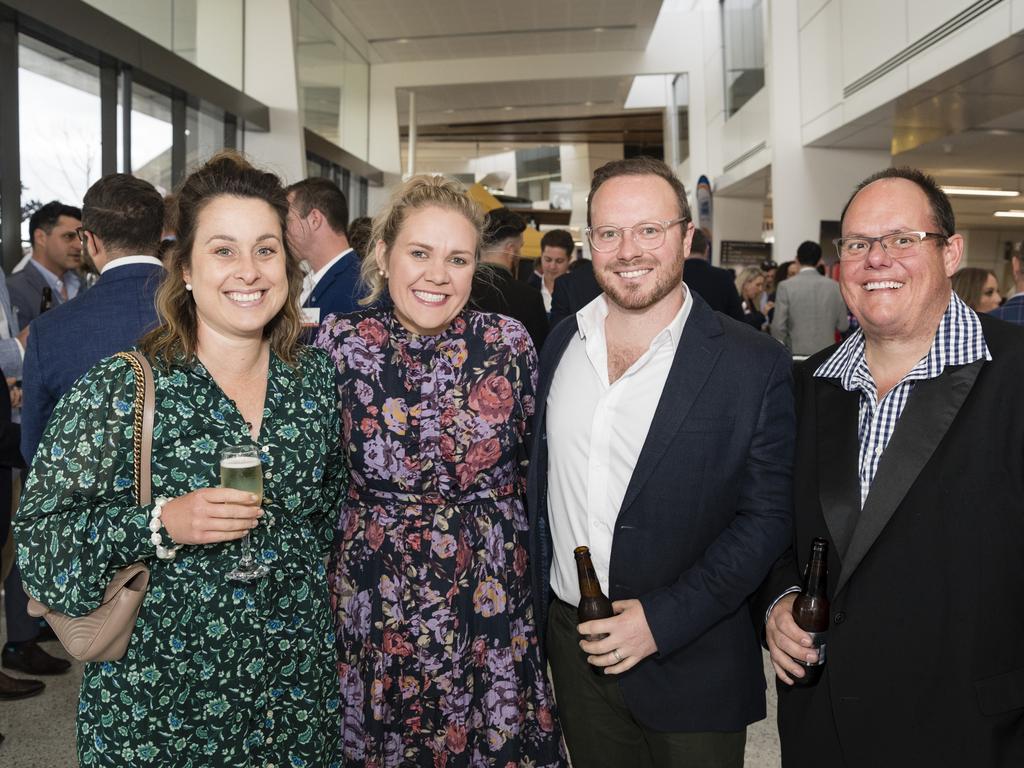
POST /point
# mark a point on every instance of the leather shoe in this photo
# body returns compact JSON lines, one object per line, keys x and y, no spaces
{"x":28,"y":657}
{"x":12,"y":688}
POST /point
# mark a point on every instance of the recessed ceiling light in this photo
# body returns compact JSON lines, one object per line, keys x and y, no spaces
{"x":402,"y":40}
{"x":599,"y":29}
{"x":508,"y":109}
{"x":980,"y":192}
{"x":1009,"y":214}
{"x":449,"y":111}
{"x":588,"y":103}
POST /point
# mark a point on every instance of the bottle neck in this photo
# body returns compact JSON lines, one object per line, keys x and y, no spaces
{"x":589,"y":585}
{"x":817,"y":576}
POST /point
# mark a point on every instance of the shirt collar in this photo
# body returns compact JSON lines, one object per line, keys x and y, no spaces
{"x":319,"y":274}
{"x":68,"y":279}
{"x":959,"y":340}
{"x":591,"y":319}
{"x":124,"y":261}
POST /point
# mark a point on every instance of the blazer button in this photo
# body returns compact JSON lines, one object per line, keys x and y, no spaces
{"x":839,"y":618}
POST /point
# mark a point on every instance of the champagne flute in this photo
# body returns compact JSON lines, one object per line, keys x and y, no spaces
{"x":240,"y":469}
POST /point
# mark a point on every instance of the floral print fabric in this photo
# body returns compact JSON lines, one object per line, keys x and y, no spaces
{"x":439,"y":661}
{"x":217,"y":672}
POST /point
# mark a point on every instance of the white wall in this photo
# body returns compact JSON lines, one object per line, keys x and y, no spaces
{"x":736,"y":218}
{"x":840,"y":41}
{"x":272,"y":80}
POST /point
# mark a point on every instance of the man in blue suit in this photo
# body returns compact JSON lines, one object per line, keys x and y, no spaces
{"x":663,"y":442}
{"x":1012,"y":310}
{"x":318,"y":233}
{"x":121,"y":224}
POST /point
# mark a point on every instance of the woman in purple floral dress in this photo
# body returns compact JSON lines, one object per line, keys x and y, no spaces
{"x":439,"y":663}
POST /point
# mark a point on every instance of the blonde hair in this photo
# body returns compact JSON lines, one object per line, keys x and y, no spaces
{"x":226,"y":174}
{"x":415,"y":194}
{"x":745,"y":276}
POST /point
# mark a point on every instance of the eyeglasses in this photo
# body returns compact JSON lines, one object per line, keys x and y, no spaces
{"x":898,"y":244}
{"x":646,"y":234}
{"x":82,"y":236}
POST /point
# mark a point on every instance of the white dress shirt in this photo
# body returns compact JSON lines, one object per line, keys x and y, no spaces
{"x":595,"y":431}
{"x":124,"y":261}
{"x":311,"y":279}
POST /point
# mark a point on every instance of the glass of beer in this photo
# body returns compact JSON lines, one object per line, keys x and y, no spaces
{"x":240,"y":469}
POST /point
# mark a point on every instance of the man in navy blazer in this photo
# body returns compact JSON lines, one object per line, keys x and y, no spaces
{"x":121,"y":224}
{"x":318,"y":233}
{"x":122,"y":218}
{"x":663,"y":442}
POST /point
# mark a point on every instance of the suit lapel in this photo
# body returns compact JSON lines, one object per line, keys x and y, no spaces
{"x":340,"y":267}
{"x":836,"y":418}
{"x":695,"y":357}
{"x":932,"y":406}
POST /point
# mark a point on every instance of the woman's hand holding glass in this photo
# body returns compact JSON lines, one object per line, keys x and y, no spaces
{"x":211,"y":515}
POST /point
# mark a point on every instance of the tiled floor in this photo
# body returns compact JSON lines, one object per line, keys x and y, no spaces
{"x":41,"y":731}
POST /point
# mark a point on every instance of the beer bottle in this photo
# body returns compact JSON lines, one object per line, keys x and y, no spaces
{"x":593,"y":603}
{"x":810,"y":610}
{"x":47,"y":300}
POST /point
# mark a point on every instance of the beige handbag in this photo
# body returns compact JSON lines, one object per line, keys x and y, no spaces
{"x":103,"y":635}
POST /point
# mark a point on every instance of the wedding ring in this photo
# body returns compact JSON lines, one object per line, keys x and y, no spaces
{"x":616,"y":654}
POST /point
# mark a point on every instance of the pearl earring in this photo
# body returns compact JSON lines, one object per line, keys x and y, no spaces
{"x":188,"y":286}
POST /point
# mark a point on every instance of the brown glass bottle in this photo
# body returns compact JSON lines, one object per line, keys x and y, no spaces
{"x":810,"y":610}
{"x":593,"y":602}
{"x":46,"y":301}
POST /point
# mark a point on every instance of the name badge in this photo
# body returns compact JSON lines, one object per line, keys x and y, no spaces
{"x":310,"y":317}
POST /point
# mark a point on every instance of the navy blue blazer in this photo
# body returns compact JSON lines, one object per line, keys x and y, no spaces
{"x":71,"y":338}
{"x":706,"y":513}
{"x":338,"y":291}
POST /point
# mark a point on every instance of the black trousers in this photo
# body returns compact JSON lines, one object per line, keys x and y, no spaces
{"x":599,"y":729}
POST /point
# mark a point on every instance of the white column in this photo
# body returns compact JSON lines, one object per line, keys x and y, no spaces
{"x":219,"y":32}
{"x":578,"y":162}
{"x":273,"y":80}
{"x":809,"y":185}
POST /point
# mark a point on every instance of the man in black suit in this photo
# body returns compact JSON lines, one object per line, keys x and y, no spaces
{"x":573,"y":291}
{"x":663,"y":441}
{"x":715,"y":285}
{"x":495,"y":287}
{"x":11,"y":688}
{"x":910,"y":463}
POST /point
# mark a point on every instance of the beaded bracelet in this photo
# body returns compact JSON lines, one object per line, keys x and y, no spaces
{"x":155,"y":523}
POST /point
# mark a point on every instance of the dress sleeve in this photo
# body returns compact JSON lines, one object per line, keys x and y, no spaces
{"x":79,"y":520}
{"x":334,"y":482}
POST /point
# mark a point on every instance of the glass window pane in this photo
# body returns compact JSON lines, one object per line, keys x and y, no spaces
{"x":743,"y":49}
{"x":334,"y":82}
{"x":152,"y":137}
{"x":204,"y":134}
{"x":59,"y":125}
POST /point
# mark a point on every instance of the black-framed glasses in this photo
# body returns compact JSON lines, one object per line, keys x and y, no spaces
{"x":646,"y":234}
{"x":81,"y":232}
{"x":898,"y":244}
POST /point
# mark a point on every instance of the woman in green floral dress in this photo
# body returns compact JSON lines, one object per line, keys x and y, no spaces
{"x":218,"y":672}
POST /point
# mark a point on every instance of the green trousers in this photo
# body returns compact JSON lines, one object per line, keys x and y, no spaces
{"x":599,"y":729}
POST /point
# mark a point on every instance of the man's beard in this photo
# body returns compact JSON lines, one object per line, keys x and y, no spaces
{"x":634,"y":297}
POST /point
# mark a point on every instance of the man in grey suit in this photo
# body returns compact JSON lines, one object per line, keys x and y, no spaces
{"x":809,"y":307}
{"x":56,"y":257}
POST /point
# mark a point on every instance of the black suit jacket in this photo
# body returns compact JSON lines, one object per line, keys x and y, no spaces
{"x":496,"y":290}
{"x":925,"y":661}
{"x":10,"y":457}
{"x":706,"y":513}
{"x":715,"y":285}
{"x":573,"y":291}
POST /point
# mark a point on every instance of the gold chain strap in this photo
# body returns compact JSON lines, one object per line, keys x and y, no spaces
{"x":140,"y":397}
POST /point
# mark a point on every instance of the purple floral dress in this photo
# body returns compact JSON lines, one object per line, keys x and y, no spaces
{"x":439,"y":663}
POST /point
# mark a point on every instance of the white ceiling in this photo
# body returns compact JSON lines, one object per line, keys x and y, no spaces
{"x":416,"y":30}
{"x":495,"y":102}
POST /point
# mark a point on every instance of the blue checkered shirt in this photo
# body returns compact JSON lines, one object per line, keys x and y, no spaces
{"x":958,"y":341}
{"x":1012,"y":311}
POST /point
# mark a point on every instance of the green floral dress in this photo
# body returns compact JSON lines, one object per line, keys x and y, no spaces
{"x":217,"y":672}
